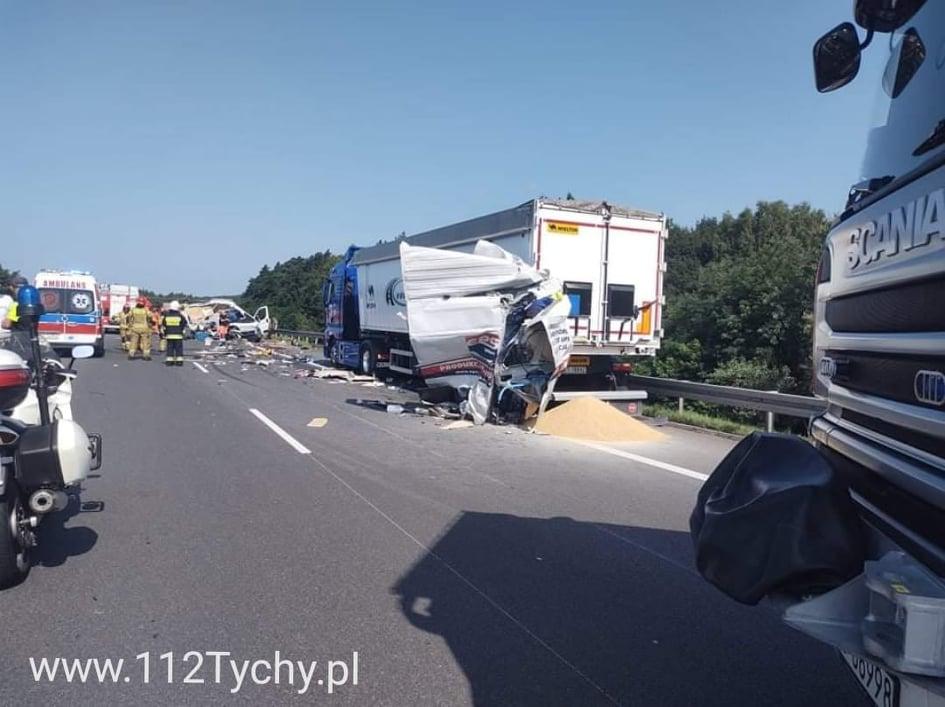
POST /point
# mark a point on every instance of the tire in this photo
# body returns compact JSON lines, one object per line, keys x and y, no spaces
{"x":99,"y":348}
{"x":14,"y":560}
{"x":367,"y":359}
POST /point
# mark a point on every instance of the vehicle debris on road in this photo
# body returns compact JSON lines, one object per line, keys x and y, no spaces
{"x":488,"y":325}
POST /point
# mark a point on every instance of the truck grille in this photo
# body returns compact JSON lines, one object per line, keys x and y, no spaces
{"x":916,"y":440}
{"x":895,"y":377}
{"x":912,"y":307}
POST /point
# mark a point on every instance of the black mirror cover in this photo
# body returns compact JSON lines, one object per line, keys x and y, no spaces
{"x":774,"y":516}
{"x":836,"y":58}
{"x":885,"y":15}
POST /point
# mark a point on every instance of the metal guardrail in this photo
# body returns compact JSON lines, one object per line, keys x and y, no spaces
{"x":313,"y":336}
{"x":773,"y":403}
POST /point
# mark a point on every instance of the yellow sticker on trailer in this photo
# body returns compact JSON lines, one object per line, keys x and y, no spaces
{"x":564,"y":229}
{"x":579,"y":361}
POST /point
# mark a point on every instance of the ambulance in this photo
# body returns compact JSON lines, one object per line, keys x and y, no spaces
{"x":73,"y":310}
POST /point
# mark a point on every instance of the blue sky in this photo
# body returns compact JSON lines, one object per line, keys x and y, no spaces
{"x":183,"y":144}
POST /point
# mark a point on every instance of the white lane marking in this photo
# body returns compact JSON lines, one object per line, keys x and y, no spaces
{"x":649,"y":550}
{"x":199,"y":367}
{"x":469,"y":583}
{"x":292,"y":441}
{"x":681,"y":470}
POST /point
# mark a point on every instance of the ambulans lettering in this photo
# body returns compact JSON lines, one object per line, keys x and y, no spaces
{"x":63,"y":284}
{"x":901,"y":230}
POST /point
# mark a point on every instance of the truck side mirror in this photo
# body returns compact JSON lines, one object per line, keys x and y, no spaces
{"x":885,"y":15}
{"x":836,"y":58}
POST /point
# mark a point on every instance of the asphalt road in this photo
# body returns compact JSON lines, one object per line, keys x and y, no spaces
{"x":483,"y":566}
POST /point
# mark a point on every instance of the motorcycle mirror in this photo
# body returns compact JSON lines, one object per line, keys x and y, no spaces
{"x":84,"y":351}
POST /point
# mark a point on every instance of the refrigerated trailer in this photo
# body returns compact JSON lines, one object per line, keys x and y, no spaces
{"x":609,"y":258}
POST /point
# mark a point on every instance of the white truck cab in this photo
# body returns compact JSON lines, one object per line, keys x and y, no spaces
{"x":848,"y":535}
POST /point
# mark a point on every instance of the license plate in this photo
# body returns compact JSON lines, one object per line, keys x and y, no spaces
{"x":576,"y":370}
{"x":881,"y":686}
{"x":579,"y":361}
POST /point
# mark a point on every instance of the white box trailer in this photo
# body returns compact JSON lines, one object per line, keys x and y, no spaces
{"x":609,"y":257}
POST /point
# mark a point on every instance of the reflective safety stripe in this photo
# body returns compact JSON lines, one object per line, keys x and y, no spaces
{"x":172,"y":321}
{"x":174,"y":337}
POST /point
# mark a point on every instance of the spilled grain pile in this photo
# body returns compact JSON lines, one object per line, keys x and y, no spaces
{"x":592,"y":419}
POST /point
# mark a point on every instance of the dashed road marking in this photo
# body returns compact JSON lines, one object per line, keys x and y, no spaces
{"x":292,"y":441}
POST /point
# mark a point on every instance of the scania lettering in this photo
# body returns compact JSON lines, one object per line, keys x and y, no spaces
{"x":867,"y":575}
{"x":610,"y":259}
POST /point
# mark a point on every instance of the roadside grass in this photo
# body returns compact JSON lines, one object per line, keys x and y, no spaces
{"x":698,"y":419}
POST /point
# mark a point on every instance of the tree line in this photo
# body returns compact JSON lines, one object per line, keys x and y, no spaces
{"x":293,"y":290}
{"x":739,"y":298}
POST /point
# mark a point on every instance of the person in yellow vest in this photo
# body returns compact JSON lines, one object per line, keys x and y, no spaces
{"x":124,"y":324}
{"x":11,"y":319}
{"x":172,"y":327}
{"x":140,"y":331}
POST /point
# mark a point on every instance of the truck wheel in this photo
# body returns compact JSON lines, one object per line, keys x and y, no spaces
{"x":99,"y":348}
{"x":368,"y":359}
{"x":14,"y":559}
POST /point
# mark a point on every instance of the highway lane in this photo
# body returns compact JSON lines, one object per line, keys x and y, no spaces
{"x":482,"y":566}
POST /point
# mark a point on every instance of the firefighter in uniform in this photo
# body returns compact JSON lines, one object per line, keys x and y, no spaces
{"x":123,"y":325}
{"x":172,"y":328}
{"x":140,"y":330}
{"x":156,"y":317}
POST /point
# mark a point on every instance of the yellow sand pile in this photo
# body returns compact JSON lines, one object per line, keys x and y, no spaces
{"x":592,"y":419}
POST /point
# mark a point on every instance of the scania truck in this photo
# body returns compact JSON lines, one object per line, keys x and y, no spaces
{"x":864,"y":559}
{"x":610,"y":259}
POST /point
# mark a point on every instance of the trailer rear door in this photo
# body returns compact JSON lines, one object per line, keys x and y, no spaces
{"x":611,"y":270}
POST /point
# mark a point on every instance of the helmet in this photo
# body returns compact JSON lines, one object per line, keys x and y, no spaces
{"x":126,"y":307}
{"x":174,"y":304}
{"x":141,"y":302}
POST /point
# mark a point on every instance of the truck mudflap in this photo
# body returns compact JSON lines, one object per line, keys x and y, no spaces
{"x":774,"y":518}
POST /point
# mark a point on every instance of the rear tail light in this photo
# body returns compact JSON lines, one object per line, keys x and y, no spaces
{"x":14,"y":386}
{"x":622,"y":367}
{"x":14,"y":377}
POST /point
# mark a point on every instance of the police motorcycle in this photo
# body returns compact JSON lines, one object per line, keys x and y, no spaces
{"x":59,"y":377}
{"x":43,"y":453}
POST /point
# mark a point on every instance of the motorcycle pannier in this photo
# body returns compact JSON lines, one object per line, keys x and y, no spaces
{"x":774,"y":517}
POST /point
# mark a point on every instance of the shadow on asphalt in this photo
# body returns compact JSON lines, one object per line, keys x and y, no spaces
{"x":508,"y":593}
{"x":57,"y":543}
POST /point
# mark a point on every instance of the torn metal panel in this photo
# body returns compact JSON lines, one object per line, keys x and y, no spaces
{"x":486,"y":324}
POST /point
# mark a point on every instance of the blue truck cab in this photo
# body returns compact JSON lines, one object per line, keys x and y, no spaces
{"x":342,"y":320}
